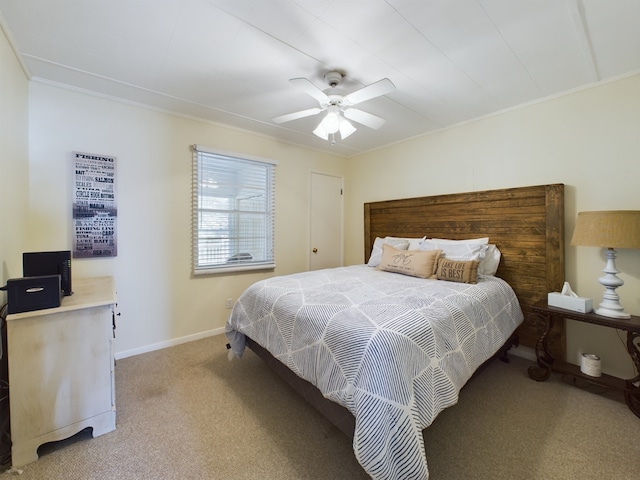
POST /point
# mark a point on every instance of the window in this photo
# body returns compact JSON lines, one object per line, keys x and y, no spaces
{"x":233,"y":220}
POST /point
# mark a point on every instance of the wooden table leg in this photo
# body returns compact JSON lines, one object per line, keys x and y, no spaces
{"x":543,"y":356}
{"x":632,"y":390}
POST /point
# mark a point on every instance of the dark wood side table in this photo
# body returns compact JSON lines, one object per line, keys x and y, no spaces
{"x":546,"y":363}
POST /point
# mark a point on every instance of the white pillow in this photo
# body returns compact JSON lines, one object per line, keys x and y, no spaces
{"x":414,"y":243}
{"x":481,"y":241}
{"x":489,"y":260}
{"x":489,"y":264}
{"x":376,"y":251}
{"x":457,"y":250}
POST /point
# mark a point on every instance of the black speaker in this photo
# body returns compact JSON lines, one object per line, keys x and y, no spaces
{"x":33,"y":293}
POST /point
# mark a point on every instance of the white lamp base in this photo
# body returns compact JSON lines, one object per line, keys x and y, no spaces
{"x":610,"y":306}
{"x":608,"y":312}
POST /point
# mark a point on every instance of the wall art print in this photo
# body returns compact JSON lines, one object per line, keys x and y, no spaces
{"x":94,"y":206}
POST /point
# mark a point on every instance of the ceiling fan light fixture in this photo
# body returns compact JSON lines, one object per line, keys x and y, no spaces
{"x":329,"y":125}
{"x":331,"y":121}
{"x":346,"y":128}
{"x":321,"y":132}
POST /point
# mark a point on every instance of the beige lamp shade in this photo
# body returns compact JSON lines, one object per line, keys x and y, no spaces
{"x":608,"y":229}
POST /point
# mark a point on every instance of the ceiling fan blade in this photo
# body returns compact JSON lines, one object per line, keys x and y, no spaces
{"x":295,"y":115}
{"x":311,"y":89}
{"x":377,"y":89}
{"x":366,"y":119}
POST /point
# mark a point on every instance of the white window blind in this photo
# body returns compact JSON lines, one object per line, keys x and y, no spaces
{"x":233,"y":218}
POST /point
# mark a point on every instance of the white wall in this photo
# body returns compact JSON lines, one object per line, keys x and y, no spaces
{"x":588,"y":140}
{"x":158,"y":299}
{"x":14,"y":163}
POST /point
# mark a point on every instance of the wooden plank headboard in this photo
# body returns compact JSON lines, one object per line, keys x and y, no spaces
{"x":526,"y":223}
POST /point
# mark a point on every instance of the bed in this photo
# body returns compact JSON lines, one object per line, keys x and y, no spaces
{"x":382,"y":353}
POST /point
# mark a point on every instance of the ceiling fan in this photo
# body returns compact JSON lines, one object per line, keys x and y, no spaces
{"x":339,"y":107}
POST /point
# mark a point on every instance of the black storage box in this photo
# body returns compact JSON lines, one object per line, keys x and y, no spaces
{"x":36,"y":264}
{"x":33,"y":293}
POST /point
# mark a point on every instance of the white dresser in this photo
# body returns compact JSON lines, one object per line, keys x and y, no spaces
{"x":61,"y":369}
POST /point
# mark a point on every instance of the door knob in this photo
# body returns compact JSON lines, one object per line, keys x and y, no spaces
{"x":315,"y":250}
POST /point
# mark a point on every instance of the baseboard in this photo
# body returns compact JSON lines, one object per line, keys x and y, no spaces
{"x":520,"y":351}
{"x":524,"y":352}
{"x":169,"y":343}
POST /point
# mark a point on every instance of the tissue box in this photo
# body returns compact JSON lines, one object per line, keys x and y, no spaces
{"x":575,"y":304}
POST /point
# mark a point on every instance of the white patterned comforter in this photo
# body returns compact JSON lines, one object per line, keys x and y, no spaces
{"x":394,"y":350}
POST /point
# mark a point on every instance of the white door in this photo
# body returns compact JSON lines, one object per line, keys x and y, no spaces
{"x":326,"y":221}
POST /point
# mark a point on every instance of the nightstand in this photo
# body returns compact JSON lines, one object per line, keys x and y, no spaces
{"x":541,"y":311}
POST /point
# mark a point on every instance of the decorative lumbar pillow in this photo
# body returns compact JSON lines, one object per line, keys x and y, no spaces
{"x":463,"y":271}
{"x":416,"y":263}
{"x":376,"y":251}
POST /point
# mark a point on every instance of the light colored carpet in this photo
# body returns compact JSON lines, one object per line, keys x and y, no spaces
{"x":186,"y":412}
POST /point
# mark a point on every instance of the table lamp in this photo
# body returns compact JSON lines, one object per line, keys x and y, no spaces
{"x":610,"y":230}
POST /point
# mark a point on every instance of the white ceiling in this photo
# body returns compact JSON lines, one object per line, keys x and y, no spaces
{"x":229,"y":61}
